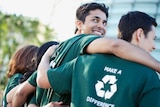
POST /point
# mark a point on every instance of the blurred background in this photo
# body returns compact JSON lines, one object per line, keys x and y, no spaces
{"x":37,"y":21}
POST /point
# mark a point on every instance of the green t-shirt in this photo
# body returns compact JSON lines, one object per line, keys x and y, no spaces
{"x":106,"y":81}
{"x":13,"y":81}
{"x":67,"y":51}
{"x":37,"y":96}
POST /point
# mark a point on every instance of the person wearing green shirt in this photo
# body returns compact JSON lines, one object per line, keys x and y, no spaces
{"x":22,"y":62}
{"x":106,"y":80}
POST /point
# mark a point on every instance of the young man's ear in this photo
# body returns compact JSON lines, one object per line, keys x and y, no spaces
{"x":139,"y":33}
{"x":78,"y":24}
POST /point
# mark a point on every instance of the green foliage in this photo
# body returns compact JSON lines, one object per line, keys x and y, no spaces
{"x":17,"y":31}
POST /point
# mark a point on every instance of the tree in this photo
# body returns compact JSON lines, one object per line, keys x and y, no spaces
{"x":17,"y":31}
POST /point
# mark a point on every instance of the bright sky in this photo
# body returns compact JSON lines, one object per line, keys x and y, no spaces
{"x":60,"y":14}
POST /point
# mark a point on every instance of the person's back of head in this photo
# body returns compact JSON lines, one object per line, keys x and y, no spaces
{"x":43,"y":48}
{"x":133,"y":20}
{"x":23,"y":60}
{"x":83,"y":11}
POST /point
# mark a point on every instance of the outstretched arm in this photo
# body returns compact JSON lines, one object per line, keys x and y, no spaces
{"x":124,"y":50}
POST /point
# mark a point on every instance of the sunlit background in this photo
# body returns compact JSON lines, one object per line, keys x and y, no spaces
{"x":60,"y":14}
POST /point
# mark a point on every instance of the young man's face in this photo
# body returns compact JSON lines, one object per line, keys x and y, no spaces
{"x":148,"y":43}
{"x":95,"y":23}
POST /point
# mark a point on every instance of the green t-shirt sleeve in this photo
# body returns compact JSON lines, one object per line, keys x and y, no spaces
{"x":85,"y":41}
{"x":60,"y":78}
{"x":32,"y":79}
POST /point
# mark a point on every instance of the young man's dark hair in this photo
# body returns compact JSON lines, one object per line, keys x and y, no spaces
{"x":84,"y":10}
{"x":132,"y":21}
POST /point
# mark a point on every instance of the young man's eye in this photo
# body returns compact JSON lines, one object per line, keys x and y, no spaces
{"x":95,"y":20}
{"x":105,"y":23}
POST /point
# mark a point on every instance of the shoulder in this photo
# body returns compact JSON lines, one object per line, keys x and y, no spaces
{"x":16,"y":76}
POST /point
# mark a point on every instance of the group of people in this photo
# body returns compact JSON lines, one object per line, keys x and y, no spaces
{"x":90,"y":70}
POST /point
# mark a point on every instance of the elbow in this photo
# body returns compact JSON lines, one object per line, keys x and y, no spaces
{"x":39,"y":82}
{"x":118,"y":46}
{"x":114,"y":45}
{"x":117,"y":43}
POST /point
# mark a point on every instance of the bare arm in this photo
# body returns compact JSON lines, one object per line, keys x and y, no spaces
{"x":51,"y":104}
{"x":55,"y":104}
{"x":10,"y":94}
{"x":124,"y":50}
{"x":9,"y":105}
{"x":22,"y":93}
{"x":42,"y":78}
{"x":32,"y":105}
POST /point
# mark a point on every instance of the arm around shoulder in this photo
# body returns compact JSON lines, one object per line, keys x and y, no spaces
{"x":43,"y":67}
{"x":123,"y":50}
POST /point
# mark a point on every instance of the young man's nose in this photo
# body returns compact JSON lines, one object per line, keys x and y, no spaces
{"x":101,"y":25}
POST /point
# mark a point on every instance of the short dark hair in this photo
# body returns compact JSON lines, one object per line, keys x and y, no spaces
{"x":84,"y":10}
{"x":132,"y":21}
